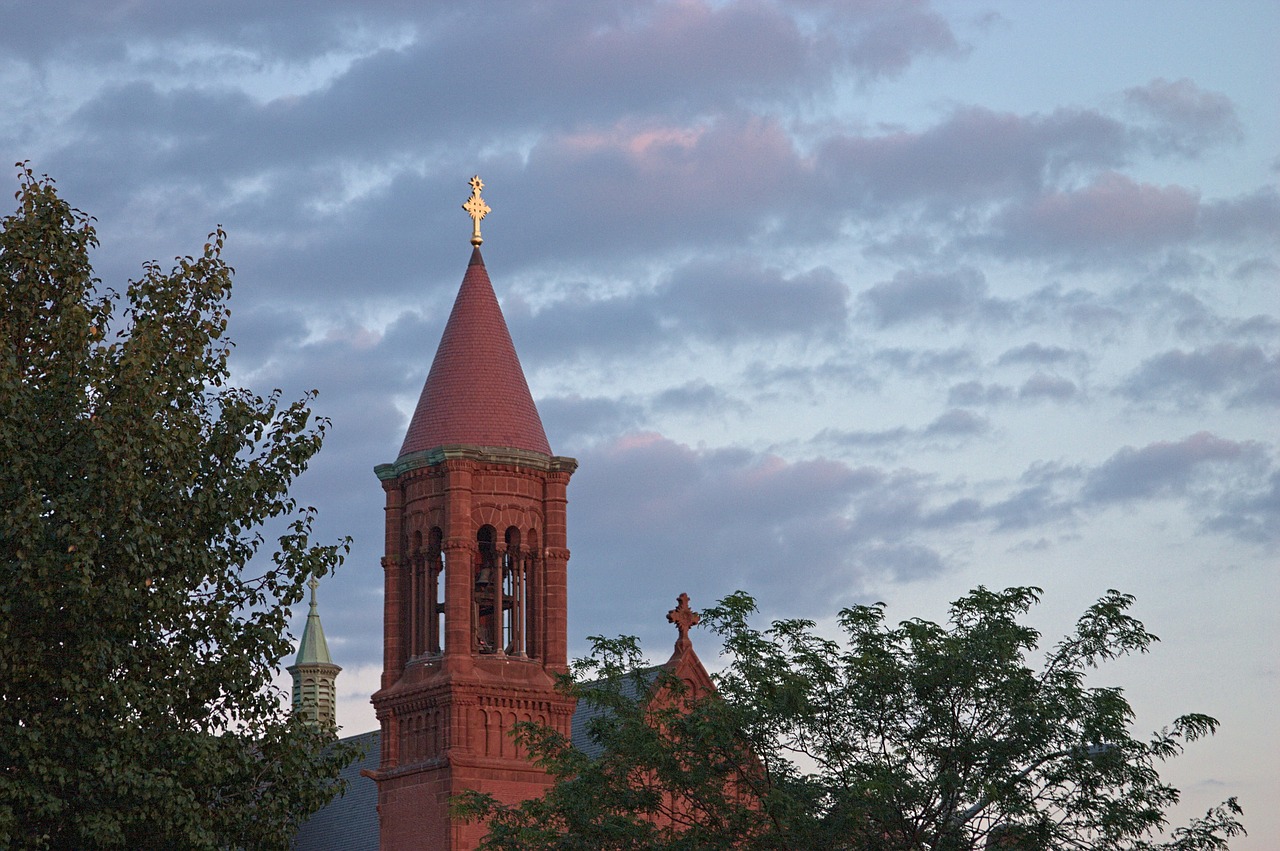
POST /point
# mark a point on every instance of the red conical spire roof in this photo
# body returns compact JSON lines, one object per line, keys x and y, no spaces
{"x":476,"y":393}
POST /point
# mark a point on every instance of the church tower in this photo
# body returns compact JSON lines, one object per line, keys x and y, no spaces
{"x":475,"y":626}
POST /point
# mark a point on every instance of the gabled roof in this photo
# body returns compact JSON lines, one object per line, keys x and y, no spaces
{"x":633,"y":687}
{"x":348,"y":823}
{"x":476,"y":393}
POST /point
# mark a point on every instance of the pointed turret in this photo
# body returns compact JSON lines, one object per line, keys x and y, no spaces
{"x":314,"y":674}
{"x":476,"y":576}
{"x":476,"y":394}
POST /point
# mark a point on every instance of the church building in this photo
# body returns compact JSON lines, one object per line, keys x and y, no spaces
{"x":475,"y":615}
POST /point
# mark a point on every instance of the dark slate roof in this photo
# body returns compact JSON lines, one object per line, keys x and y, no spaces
{"x":476,"y":393}
{"x":585,"y":712}
{"x":348,"y":823}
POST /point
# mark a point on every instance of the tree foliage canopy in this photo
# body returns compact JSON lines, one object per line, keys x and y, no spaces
{"x":907,"y":737}
{"x":138,"y":638}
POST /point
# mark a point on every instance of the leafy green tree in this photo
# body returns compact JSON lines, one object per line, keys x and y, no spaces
{"x":663,"y":770}
{"x":916,"y":736}
{"x":137,"y":640}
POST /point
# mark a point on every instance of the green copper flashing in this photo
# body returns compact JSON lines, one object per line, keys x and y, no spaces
{"x":313,"y":649}
{"x":489,"y":454}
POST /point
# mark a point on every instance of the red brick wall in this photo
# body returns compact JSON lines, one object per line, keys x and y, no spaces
{"x":447,"y":719}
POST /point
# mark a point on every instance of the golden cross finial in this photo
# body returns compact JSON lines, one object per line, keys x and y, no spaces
{"x":477,"y":209}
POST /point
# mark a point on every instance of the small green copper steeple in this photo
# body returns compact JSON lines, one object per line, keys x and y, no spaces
{"x":313,"y":649}
{"x":314,"y":674}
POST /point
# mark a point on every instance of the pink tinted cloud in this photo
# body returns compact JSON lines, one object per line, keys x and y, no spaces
{"x":890,"y":34}
{"x":748,"y":148}
{"x":1163,"y":468}
{"x":695,"y":179}
{"x":754,"y":40}
{"x":1114,"y":212}
{"x":714,"y":45}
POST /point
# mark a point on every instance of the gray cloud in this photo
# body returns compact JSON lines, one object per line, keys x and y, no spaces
{"x":957,"y":422}
{"x":1028,"y":508}
{"x":712,"y":521}
{"x":609,"y":326}
{"x":574,"y":421}
{"x":1163,"y":468}
{"x":104,"y":29}
{"x":668,"y":119}
{"x":948,"y":297}
{"x":713,"y":41}
{"x":907,"y":561}
{"x":808,"y":383}
{"x":716,"y":162}
{"x":954,"y":423}
{"x":640,"y":183}
{"x":1039,"y":386}
{"x":708,"y":520}
{"x":884,"y":38}
{"x":1081,"y":310}
{"x":1115,"y":213}
{"x":1045,"y":386}
{"x":1154,"y":303}
{"x":1257,"y":268}
{"x":1035,"y":353}
{"x":977,"y":393}
{"x":697,"y":398}
{"x":1243,"y":374}
{"x":1189,"y":118}
{"x":858,"y":437}
{"x":718,"y":301}
{"x":1254,"y":216}
{"x":1251,"y":515}
{"x":731,"y":300}
{"x":974,"y":154}
{"x":928,"y":362}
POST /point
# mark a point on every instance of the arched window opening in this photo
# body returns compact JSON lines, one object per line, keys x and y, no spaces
{"x":487,"y":593}
{"x":435,"y":592}
{"x":532,"y":587}
{"x":411,"y":597}
{"x":514,"y":591}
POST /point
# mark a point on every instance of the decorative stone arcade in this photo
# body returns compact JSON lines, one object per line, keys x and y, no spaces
{"x":475,"y":576}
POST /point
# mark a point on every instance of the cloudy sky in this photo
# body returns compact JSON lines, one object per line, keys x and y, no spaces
{"x":834,"y":302}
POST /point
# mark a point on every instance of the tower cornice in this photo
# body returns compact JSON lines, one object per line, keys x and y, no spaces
{"x":481,"y":454}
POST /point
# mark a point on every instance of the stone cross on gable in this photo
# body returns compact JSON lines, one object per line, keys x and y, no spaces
{"x":684,"y":618}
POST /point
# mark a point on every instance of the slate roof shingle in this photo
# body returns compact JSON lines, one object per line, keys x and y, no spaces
{"x":476,"y":393}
